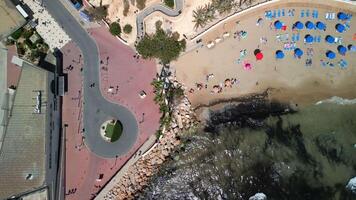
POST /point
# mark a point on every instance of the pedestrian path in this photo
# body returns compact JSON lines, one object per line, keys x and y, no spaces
{"x":47,"y":27}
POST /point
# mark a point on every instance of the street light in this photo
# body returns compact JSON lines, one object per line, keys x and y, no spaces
{"x":115,"y":162}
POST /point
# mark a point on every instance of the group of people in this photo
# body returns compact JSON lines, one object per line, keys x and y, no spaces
{"x":228,"y":83}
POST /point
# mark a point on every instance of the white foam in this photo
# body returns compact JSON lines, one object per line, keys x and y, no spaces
{"x":337,"y":100}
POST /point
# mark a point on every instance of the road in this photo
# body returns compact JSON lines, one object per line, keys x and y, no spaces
{"x":157,"y":8}
{"x":96,"y":108}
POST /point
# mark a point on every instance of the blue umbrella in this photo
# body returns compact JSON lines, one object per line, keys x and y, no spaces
{"x":308,"y":39}
{"x":342,"y":50}
{"x":298,"y":52}
{"x":299,"y":25}
{"x":330,"y":54}
{"x":330,"y":39}
{"x":279,"y":54}
{"x":342,"y":16}
{"x":340,"y":28}
{"x":309,"y":25}
{"x":321,"y":26}
{"x":278,"y":24}
{"x":351,"y":47}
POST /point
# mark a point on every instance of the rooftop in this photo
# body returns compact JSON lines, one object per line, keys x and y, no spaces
{"x":11,"y":19}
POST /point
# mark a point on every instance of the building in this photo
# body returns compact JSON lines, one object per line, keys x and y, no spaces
{"x":11,"y":18}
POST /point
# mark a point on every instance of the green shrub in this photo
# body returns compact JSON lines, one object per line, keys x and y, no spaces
{"x":162,"y":46}
{"x":169,"y":3}
{"x":115,"y":29}
{"x":141,"y":4}
{"x":127,"y":29}
{"x":17,"y":34}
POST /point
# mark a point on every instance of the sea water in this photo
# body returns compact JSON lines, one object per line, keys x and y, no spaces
{"x":265,"y":148}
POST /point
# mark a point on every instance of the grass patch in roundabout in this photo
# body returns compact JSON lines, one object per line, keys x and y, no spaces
{"x":113,"y":130}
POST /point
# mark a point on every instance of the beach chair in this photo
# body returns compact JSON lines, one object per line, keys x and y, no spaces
{"x":293,"y":10}
{"x":332,"y":16}
{"x":268,"y":14}
{"x":318,"y":39}
{"x":293,"y":37}
{"x":307,"y":13}
{"x":327,"y":16}
{"x":316,"y":14}
{"x":274,"y":14}
{"x":315,"y":38}
{"x":283,"y":13}
{"x":302,"y":13}
{"x":298,"y":37}
{"x":279,"y":13}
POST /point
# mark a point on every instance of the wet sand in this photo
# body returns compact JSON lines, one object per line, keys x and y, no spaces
{"x":289,"y":78}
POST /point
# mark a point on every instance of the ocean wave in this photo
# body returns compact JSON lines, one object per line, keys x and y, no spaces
{"x":337,"y":100}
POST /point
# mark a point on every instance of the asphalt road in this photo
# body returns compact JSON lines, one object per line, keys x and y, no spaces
{"x":96,"y":108}
{"x":157,"y":8}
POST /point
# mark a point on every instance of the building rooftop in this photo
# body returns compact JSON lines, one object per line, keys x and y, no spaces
{"x":23,"y":153}
{"x":11,"y":19}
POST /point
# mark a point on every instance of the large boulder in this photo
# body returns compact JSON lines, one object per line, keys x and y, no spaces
{"x":351,"y":186}
{"x":258,"y":196}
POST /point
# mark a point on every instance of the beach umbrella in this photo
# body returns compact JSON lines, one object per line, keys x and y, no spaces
{"x":278,"y":24}
{"x":256,"y":51}
{"x":341,"y":49}
{"x":330,"y":39}
{"x":341,"y":16}
{"x":340,"y":28}
{"x":259,"y":56}
{"x":298,"y":52}
{"x":308,"y":39}
{"x":351,"y":47}
{"x":330,"y":54}
{"x":299,"y":25}
{"x":279,"y":54}
{"x":309,"y":25}
{"x":321,"y":26}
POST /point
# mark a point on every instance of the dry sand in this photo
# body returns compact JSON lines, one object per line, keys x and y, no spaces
{"x":290,"y":78}
{"x":115,"y":13}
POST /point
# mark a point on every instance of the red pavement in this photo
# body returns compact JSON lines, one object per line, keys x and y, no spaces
{"x":131,"y":76}
{"x":13,"y":71}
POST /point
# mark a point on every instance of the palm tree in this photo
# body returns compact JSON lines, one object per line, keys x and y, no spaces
{"x":199,"y":17}
{"x":209,"y":12}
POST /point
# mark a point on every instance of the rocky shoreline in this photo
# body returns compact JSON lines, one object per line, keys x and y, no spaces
{"x":139,"y":174}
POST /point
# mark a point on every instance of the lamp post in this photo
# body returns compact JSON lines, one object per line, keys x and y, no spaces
{"x":115,"y":162}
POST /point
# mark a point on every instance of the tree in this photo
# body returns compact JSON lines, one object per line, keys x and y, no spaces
{"x":98,"y":13}
{"x":115,"y":29}
{"x":169,"y":3}
{"x":127,"y":29}
{"x":161,"y":45}
{"x":141,"y":4}
{"x":199,"y":18}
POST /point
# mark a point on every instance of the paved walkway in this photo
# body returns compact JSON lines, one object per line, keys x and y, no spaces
{"x":157,"y":8}
{"x":96,"y":108}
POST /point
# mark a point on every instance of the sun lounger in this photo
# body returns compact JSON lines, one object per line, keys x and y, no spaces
{"x":268,"y":14}
{"x":302,"y":13}
{"x":332,"y":16}
{"x":274,"y":14}
{"x":293,"y":37}
{"x":316,"y":14}
{"x":279,"y":13}
{"x":307,"y":13}
{"x":327,"y":16}
{"x":283,"y":13}
{"x":298,"y":37}
{"x":318,"y":39}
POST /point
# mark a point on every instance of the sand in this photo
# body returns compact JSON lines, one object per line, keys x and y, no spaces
{"x":115,"y":13}
{"x":290,"y":78}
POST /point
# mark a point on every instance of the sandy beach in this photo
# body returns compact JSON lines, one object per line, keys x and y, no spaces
{"x":290,"y":77}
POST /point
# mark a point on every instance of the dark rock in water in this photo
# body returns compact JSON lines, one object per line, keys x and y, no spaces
{"x":329,"y":147}
{"x":248,"y":114}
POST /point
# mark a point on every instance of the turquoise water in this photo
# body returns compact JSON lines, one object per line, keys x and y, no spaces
{"x":308,"y":154}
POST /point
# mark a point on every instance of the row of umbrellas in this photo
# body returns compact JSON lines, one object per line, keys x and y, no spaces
{"x":310,"y":25}
{"x":299,"y":53}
